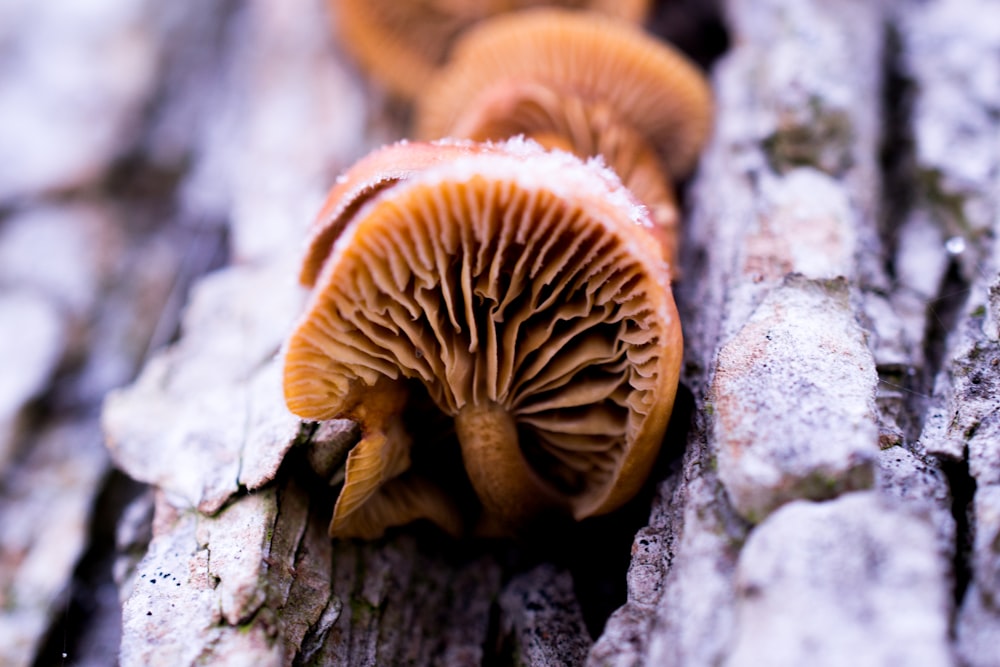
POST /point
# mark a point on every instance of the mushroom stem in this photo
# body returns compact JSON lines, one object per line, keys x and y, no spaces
{"x":510,"y":490}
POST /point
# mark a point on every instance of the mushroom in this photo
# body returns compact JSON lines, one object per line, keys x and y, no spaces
{"x":522,"y":291}
{"x":401,"y":43}
{"x":379,"y":170}
{"x":582,"y":82}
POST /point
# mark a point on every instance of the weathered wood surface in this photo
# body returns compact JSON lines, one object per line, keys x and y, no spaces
{"x":838,"y":497}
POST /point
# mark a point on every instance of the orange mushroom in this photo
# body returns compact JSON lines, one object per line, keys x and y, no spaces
{"x":582,"y":82}
{"x":401,"y":43}
{"x":379,"y":170}
{"x":519,"y":288}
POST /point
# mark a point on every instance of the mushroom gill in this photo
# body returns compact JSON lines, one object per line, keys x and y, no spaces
{"x":401,"y":43}
{"x":379,"y":170}
{"x":522,"y":289}
{"x":587,"y":129}
{"x":582,"y":82}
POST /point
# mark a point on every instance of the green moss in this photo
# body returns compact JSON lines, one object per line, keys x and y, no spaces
{"x":970,"y":432}
{"x":754,"y":516}
{"x":823,"y":141}
{"x":822,"y":485}
{"x":263,"y":617}
{"x":362,"y":607}
{"x":949,"y":207}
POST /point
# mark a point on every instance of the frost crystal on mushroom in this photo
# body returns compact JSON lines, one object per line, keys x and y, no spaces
{"x":522,"y":291}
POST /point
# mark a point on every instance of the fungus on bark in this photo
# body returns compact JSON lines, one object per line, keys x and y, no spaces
{"x":367,"y":178}
{"x":521,"y":289}
{"x":401,"y":43}
{"x":582,"y":82}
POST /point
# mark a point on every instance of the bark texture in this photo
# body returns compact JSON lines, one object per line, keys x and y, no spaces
{"x":831,"y":490}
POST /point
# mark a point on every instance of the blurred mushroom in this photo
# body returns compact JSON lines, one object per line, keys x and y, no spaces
{"x":582,"y":82}
{"x":401,"y":43}
{"x":519,"y":288}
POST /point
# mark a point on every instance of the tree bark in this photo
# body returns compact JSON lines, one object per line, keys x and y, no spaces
{"x":830,"y":489}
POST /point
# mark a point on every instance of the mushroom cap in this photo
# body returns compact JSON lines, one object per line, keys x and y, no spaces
{"x":379,"y":170}
{"x":568,"y":122}
{"x":651,"y":87}
{"x":402,"y":42}
{"x":521,"y":288}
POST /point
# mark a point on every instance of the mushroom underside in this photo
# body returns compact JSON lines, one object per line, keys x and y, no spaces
{"x":490,"y":294}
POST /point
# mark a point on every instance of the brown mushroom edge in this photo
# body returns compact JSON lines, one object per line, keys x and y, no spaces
{"x":520,"y":292}
{"x":367,"y":178}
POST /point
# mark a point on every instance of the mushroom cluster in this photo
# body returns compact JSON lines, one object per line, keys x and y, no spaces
{"x":584,"y":83}
{"x":496,"y":313}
